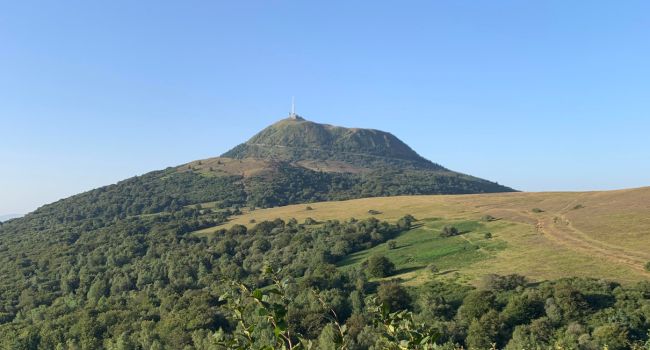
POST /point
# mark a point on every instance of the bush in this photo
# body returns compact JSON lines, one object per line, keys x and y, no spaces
{"x":503,"y":283}
{"x":449,"y":231}
{"x":488,"y":235}
{"x":394,"y":296}
{"x":374,"y":212}
{"x":380,"y":266}
{"x":578,"y":206}
{"x":488,"y":218}
{"x":392,"y":244}
{"x":537,"y":210}
{"x":406,"y":222}
{"x":238,"y":230}
{"x":647,"y":266}
{"x":309,"y":208}
{"x":432,"y":268}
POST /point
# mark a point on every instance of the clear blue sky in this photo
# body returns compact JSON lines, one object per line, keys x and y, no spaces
{"x":546,"y":95}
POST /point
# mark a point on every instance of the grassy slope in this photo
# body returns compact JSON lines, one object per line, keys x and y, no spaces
{"x":596,"y":234}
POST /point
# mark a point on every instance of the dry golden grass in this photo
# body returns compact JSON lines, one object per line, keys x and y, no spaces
{"x":592,"y":234}
{"x":228,"y":166}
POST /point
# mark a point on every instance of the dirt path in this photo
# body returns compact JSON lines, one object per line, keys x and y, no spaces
{"x":556,"y":227}
{"x":560,"y":229}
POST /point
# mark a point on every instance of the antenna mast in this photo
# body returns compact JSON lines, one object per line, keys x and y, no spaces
{"x":293,"y":108}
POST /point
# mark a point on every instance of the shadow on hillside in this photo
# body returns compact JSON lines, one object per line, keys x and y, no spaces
{"x":442,"y":273}
{"x":408,"y":269}
{"x":401,"y":246}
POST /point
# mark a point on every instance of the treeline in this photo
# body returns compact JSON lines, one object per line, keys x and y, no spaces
{"x":505,"y":313}
{"x":159,"y":191}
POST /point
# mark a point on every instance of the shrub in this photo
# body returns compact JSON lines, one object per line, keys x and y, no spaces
{"x":537,"y":210}
{"x":392,"y":244}
{"x":310,"y":221}
{"x":432,"y":268}
{"x":374,"y":212}
{"x":476,"y":304}
{"x":309,"y":208}
{"x":406,"y":222}
{"x":238,"y":230}
{"x":252,"y":221}
{"x":503,"y":283}
{"x":449,"y":231}
{"x":393,"y":295}
{"x":578,"y":206}
{"x":488,"y":235}
{"x":647,"y":266}
{"x":488,"y":218}
{"x":380,"y":266}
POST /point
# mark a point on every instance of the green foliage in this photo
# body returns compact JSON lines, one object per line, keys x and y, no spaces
{"x":647,"y":266}
{"x":483,"y":332}
{"x":477,"y":304}
{"x":269,"y":305}
{"x":391,"y":244}
{"x":380,"y":266}
{"x":393,"y":296}
{"x":146,"y":281}
{"x":499,"y":282}
{"x":537,"y":210}
{"x":400,"y":330}
{"x":449,"y":231}
{"x":406,"y":222}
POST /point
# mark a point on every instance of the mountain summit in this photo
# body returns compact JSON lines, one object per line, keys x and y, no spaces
{"x":341,"y":162}
{"x":295,"y":139}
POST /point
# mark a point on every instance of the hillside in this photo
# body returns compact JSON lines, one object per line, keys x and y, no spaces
{"x":589,"y":234}
{"x":165,"y":280}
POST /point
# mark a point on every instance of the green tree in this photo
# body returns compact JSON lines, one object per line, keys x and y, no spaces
{"x":476,"y":304}
{"x":483,"y":333}
{"x":449,"y":231}
{"x":380,"y":266}
{"x":238,"y":230}
{"x":611,"y":336}
{"x":394,"y":296}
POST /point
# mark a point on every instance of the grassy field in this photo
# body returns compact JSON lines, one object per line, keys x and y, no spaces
{"x":540,"y":235}
{"x":422,"y":247}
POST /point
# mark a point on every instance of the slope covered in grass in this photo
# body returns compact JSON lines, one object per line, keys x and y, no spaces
{"x":591,"y":234}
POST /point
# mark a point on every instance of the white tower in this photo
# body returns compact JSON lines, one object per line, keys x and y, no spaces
{"x":293,"y":114}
